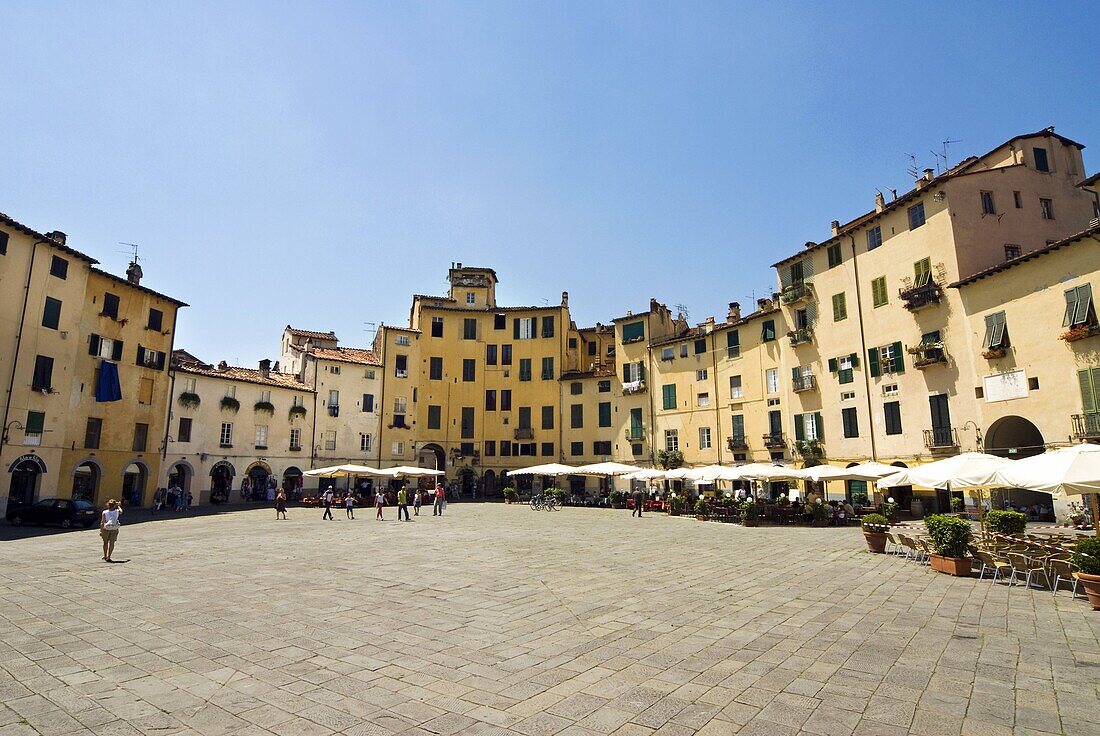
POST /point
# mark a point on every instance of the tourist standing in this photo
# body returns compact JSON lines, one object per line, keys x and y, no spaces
{"x":108,"y":527}
{"x":639,"y":502}
{"x":280,"y":504}
{"x":327,"y":500}
{"x":379,"y":502}
{"x":349,"y":505}
{"x":403,"y":504}
{"x":158,"y":499}
{"x":440,"y":499}
{"x":418,"y":498}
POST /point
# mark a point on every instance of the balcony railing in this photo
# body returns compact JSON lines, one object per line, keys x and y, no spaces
{"x":32,"y":439}
{"x":525,"y":433}
{"x":805,"y":382}
{"x":774,"y":440}
{"x":635,"y":434}
{"x":795,"y":293}
{"x":928,"y":355}
{"x":295,"y":448}
{"x":333,"y":410}
{"x":1086,"y":426}
{"x":801,"y":336}
{"x":737,"y":443}
{"x":921,"y":296}
{"x":941,"y":438}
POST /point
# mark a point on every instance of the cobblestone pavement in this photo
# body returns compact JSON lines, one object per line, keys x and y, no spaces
{"x":499,"y":620}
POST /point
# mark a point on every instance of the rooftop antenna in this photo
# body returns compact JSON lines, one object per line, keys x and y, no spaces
{"x":913,"y":170}
{"x":370,"y":327}
{"x":947,"y":142}
{"x":132,"y":250}
{"x":681,"y":309}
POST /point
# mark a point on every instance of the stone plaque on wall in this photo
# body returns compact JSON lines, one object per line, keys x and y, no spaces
{"x":1005,"y":386}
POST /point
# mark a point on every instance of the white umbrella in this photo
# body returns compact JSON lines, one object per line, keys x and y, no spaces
{"x":547,"y":469}
{"x":408,"y":471}
{"x":764,"y":471}
{"x":605,"y":469}
{"x":645,"y":474}
{"x":869,"y":470}
{"x":1069,"y":471}
{"x":339,"y":471}
{"x":968,"y":470}
{"x":819,"y":473}
{"x":680,"y":474}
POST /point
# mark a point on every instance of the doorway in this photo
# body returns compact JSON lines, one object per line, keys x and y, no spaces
{"x":24,"y":481}
{"x":86,"y":482}
{"x":133,"y":484}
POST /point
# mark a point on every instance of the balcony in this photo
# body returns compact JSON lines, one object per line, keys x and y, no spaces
{"x":633,"y":387}
{"x":919,"y":297}
{"x":927,"y":355}
{"x":295,"y":448}
{"x":635,"y":434}
{"x":1086,"y":426}
{"x":775,"y":441}
{"x":334,"y":410}
{"x":941,"y":438}
{"x":796,"y":293}
{"x":805,"y":382}
{"x":810,"y":449}
{"x":737,"y":442}
{"x":801,"y":336}
{"x":525,"y":433}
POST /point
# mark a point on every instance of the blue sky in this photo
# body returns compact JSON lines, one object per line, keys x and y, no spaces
{"x":318,"y":163}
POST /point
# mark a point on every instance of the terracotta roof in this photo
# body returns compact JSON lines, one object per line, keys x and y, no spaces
{"x":346,"y":355}
{"x":490,"y":310}
{"x":604,"y":370}
{"x":474,"y":268}
{"x":5,"y":220}
{"x":1044,"y":133}
{"x":1087,"y":233}
{"x":246,"y":375}
{"x":435,"y":298}
{"x":1090,"y":181}
{"x":311,"y":333}
{"x":139,"y":287}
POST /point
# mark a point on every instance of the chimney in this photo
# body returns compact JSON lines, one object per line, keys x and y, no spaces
{"x":835,"y":225}
{"x":810,"y":244}
{"x":276,"y":368}
{"x":265,"y":368}
{"x":57,"y":235}
{"x":460,"y":264}
{"x":880,"y":202}
{"x":708,"y":326}
{"x":763,"y":304}
{"x":134,"y":273}
{"x":223,"y":366}
{"x":565,"y":298}
{"x":928,"y":174}
{"x":652,"y":304}
{"x":734,"y":313}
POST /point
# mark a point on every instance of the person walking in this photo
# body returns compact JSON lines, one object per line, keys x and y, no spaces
{"x":108,"y":527}
{"x":418,"y":498}
{"x":403,"y":504}
{"x":158,"y":499}
{"x":349,"y":505}
{"x":440,"y":499}
{"x":328,"y":504}
{"x":280,"y":504}
{"x":379,"y":502}
{"x":639,"y":502}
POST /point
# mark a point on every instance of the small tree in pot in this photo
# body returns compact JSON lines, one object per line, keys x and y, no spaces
{"x":950,"y":536}
{"x":875,"y":527}
{"x":1006,"y":522}
{"x":1086,"y":558}
{"x":616,"y":498}
{"x":676,"y":504}
{"x":750,"y":513}
{"x":821,"y":513}
{"x":510,"y":495}
{"x":701,"y":509}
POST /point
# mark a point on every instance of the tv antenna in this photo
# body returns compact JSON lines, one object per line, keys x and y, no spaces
{"x":943,"y":156}
{"x":132,"y":250}
{"x":681,"y":310}
{"x":913,"y":170}
{"x":370,"y":327}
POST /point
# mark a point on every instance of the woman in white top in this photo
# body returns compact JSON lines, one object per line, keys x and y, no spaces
{"x":108,"y":527}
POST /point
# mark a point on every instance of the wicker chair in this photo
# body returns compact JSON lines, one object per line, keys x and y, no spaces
{"x":1001,"y":568}
{"x":1027,"y":567}
{"x":1062,"y":571}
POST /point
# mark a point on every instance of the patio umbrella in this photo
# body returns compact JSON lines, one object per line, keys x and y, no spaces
{"x":1069,"y":471}
{"x":343,"y":471}
{"x":408,"y":471}
{"x":966,"y":471}
{"x":823,"y":474}
{"x":645,"y":474}
{"x":547,"y":469}
{"x":869,"y":470}
{"x":606,"y":469}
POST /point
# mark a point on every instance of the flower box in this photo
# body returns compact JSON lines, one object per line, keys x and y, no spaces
{"x":1079,"y":332}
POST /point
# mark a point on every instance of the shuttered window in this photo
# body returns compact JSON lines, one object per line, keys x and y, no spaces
{"x":1089,"y":380}
{"x":51,"y":313}
{"x":633,"y":331}
{"x":834,"y":255}
{"x":605,"y":413}
{"x":840,"y":307}
{"x":922,"y":272}
{"x":851,"y":423}
{"x":767,"y":330}
{"x":733,"y":344}
{"x":576,"y":416}
{"x":916,"y":216}
{"x":1079,"y":307}
{"x":42,"y":379}
{"x":668,"y":396}
{"x":548,"y":417}
{"x":892,"y":413}
{"x":878,"y":292}
{"x":435,"y":417}
{"x":996,"y":336}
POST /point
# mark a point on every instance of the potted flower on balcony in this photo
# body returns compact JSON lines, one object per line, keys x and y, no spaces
{"x":1080,"y":332}
{"x":296,"y":412}
{"x":510,"y":495}
{"x":616,"y":498}
{"x":700,"y":509}
{"x":750,"y":513}
{"x":875,"y":527}
{"x":265,"y":407}
{"x":993,"y":353}
{"x":949,"y":536}
{"x":189,"y":400}
{"x":229,"y":403}
{"x":1086,"y":558}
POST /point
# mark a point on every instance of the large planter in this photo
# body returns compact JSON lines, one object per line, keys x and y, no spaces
{"x":700,"y":517}
{"x":876,"y":541}
{"x":821,"y":523}
{"x":1091,"y":584}
{"x":673,"y":512}
{"x":507,"y":500}
{"x":750,"y":522}
{"x":957,"y":566}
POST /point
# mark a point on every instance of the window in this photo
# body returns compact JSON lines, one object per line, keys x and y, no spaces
{"x":296,"y":401}
{"x":435,"y":369}
{"x":523,"y":328}
{"x":466,"y":422}
{"x":33,"y":429}
{"x":878,"y":292}
{"x":922,"y":272}
{"x":834,"y":254}
{"x":733,"y":344}
{"x":368,"y":403}
{"x":988,"y":208}
{"x":572,"y":343}
{"x":767,"y":330}
{"x":150,"y":358}
{"x":702,"y":399}
{"x":1041,"y":161}
{"x":576,"y":448}
{"x":145,"y":391}
{"x":59,"y":268}
{"x":525,"y":369}
{"x":506,"y":399}
{"x":851,"y":423}
{"x":364,"y":442}
{"x":189,"y":385}
{"x":296,"y":439}
{"x":1046,"y":208}
{"x":701,"y":374}
{"x":3,"y":243}
{"x":576,"y":388}
{"x":803,"y":319}
{"x":401,"y":366}
{"x":633,"y":372}
{"x":1016,"y":199}
{"x":548,"y":326}
{"x":42,"y":380}
{"x":636,"y":450}
{"x":437,"y":327}
{"x":844,"y":368}
{"x":490,"y":400}
{"x":737,"y":428}
{"x":110,"y":306}
{"x":547,"y":449}
{"x":548,"y":369}
{"x":505,"y":448}
{"x":469,"y":369}
{"x":435,"y":417}
{"x":684,"y":350}
{"x":576,"y":416}
{"x":736,"y":391}
{"x":700,"y":347}
{"x":840,"y":307}
{"x":499,"y":323}
{"x":402,"y":340}
{"x":397,"y":449}
{"x":1012,"y":251}
{"x":668,"y":353}
{"x":470,"y":298}
{"x":604,"y":409}
{"x":771,"y":380}
{"x":524,"y":417}
{"x":603,"y":387}
{"x":469,"y":329}
{"x":916,"y":216}
{"x":490,"y":355}
{"x":400,"y":404}
{"x":892,"y":412}
{"x":51,"y":313}
{"x":333,"y":399}
{"x":94,"y":429}
{"x":330,"y":440}
{"x":808,"y":427}
{"x":261,"y":436}
{"x":704,"y":438}
{"x":156,"y":320}
{"x":602,"y":448}
{"x":672,"y":440}
{"x":506,"y":355}
{"x":874,"y":237}
{"x":183,"y":434}
{"x":1079,"y":307}
{"x":886,"y":359}
{"x":847,"y":395}
{"x":489,"y":448}
{"x":231,"y":392}
{"x":593,"y":347}
{"x":996,"y":335}
{"x":889,"y":389}
{"x":668,"y":396}
{"x":226,"y":437}
{"x":633,"y":331}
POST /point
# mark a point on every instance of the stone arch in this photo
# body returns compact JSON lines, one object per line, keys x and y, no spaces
{"x":135,"y":478}
{"x":1014,"y":436}
{"x":87,"y":479}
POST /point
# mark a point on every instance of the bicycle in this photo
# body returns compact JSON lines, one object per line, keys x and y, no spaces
{"x":542,"y":502}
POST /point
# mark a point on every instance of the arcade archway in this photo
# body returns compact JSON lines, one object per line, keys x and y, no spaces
{"x":86,"y":480}
{"x":134,"y":479}
{"x":25,"y":474}
{"x":221,"y":481}
{"x":1014,"y":437}
{"x":431,"y":456}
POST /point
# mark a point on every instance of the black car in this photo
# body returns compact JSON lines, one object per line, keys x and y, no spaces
{"x":63,"y":511}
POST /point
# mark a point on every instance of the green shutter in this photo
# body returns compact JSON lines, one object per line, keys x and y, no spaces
{"x":795,"y":373}
{"x":1088,"y":391}
{"x":872,"y":362}
{"x":626,"y":372}
{"x":36,"y":422}
{"x":899,"y":359}
{"x":834,"y":366}
{"x":799,"y":430}
{"x":515,"y":328}
{"x":605,"y":413}
{"x":641,"y":371}
{"x":820,"y":426}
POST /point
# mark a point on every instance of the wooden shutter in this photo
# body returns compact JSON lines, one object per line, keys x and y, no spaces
{"x":834,"y":365}
{"x":795,"y":373}
{"x":116,"y":354}
{"x":799,"y":428}
{"x":641,"y":371}
{"x":626,"y":372}
{"x":515,"y":328}
{"x":811,"y":315}
{"x":94,"y":342}
{"x":140,"y":355}
{"x":1088,"y":389}
{"x":872,"y":362}
{"x":820,"y":426}
{"x":899,"y":358}
{"x":854,"y":357}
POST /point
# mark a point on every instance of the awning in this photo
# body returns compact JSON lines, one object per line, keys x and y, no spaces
{"x":108,"y":388}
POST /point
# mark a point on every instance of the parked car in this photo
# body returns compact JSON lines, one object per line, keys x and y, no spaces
{"x":63,"y":511}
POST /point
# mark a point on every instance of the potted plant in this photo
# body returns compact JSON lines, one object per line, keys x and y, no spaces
{"x":510,"y":495}
{"x":229,"y":403}
{"x":957,"y":505}
{"x":265,"y":407}
{"x":875,"y":527}
{"x":189,"y":400}
{"x":950,"y":536}
{"x":783,"y":501}
{"x":296,"y":412}
{"x":1006,"y":522}
{"x":616,"y":498}
{"x":1076,"y":517}
{"x":558,"y":493}
{"x":1086,"y":558}
{"x":993,"y":353}
{"x":821,"y":513}
{"x":890,"y":509}
{"x":676,"y":505}
{"x":1080,"y":332}
{"x":670,"y":459}
{"x":750,"y":513}
{"x":700,"y":509}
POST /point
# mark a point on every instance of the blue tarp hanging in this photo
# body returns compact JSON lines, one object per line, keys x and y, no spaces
{"x":108,"y":388}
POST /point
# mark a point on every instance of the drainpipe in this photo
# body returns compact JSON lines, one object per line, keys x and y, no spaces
{"x":313,"y":431}
{"x":717,"y":412}
{"x":171,"y":387}
{"x":382,"y":400}
{"x":863,"y":350}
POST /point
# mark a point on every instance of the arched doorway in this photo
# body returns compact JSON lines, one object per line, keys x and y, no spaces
{"x":1014,"y":437}
{"x":489,"y":484}
{"x":292,"y":483}
{"x":133,"y":484}
{"x":221,"y":481}
{"x":257,"y":481}
{"x":86,"y":478}
{"x":856,"y":490}
{"x":466,"y":484}
{"x":431,"y":456}
{"x":25,"y":472}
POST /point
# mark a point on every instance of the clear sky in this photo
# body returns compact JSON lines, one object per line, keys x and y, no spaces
{"x":318,"y":163}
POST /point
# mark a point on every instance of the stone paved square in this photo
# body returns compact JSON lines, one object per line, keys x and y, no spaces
{"x":499,"y":620}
